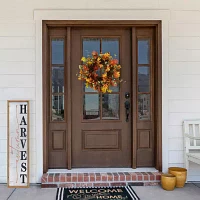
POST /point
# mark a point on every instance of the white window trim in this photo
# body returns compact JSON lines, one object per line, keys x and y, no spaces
{"x":101,"y":14}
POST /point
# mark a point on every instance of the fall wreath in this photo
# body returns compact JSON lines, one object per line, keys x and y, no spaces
{"x":100,"y":71}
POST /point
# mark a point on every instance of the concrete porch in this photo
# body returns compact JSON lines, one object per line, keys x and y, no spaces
{"x":190,"y":191}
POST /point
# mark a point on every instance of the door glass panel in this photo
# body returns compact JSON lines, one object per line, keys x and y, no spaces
{"x":89,"y":89}
{"x":57,"y":46}
{"x":111,"y":45}
{"x":110,"y":106}
{"x":110,"y":102}
{"x":143,"y":51}
{"x":143,"y":79}
{"x":57,"y":79}
{"x":90,"y":45}
{"x":57,"y":107}
{"x":91,"y":107}
{"x":115,"y":88}
{"x":144,"y":106}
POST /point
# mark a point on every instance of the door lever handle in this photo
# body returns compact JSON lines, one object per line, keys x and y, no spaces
{"x":127,"y":107}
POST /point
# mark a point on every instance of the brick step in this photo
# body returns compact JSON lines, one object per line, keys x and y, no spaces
{"x":71,"y":180}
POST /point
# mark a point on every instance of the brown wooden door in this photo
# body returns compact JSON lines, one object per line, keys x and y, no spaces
{"x":101,"y":137}
{"x":89,"y":129}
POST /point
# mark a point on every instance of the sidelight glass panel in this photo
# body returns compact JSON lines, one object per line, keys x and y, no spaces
{"x":143,"y":51}
{"x":57,"y":79}
{"x":57,"y":51}
{"x":143,"y":79}
{"x":110,"y":106}
{"x":144,"y":106}
{"x":57,"y":108}
{"x":91,"y":107}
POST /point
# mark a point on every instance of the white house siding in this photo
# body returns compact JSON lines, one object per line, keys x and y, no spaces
{"x":184,"y":80}
{"x":20,"y":69}
{"x":17,"y":81}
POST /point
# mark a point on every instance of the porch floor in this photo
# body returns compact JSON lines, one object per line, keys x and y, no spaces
{"x":87,"y":178}
{"x":190,"y":191}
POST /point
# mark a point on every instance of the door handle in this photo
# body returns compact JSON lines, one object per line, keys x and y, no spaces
{"x":127,"y":107}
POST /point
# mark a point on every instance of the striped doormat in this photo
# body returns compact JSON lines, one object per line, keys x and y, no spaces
{"x":96,"y":193}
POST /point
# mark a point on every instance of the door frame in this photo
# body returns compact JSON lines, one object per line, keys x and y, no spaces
{"x":158,"y":83}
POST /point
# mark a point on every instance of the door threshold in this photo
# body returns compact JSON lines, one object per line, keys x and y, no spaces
{"x":102,"y":170}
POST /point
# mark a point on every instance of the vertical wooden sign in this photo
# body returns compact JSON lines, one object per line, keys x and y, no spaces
{"x":18,"y":144}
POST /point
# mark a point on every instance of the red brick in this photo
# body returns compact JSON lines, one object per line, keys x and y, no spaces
{"x":133,"y":176}
{"x":139,"y":176}
{"x":68,"y":178}
{"x":145,"y":176}
{"x":116,"y":177}
{"x":121,"y":176}
{"x":118,"y":184}
{"x":84,"y":184}
{"x":80,"y":177}
{"x":101,"y":179}
{"x":158,"y":177}
{"x":110,"y":178}
{"x":157,"y":173}
{"x":44,"y":178}
{"x":98,"y":177}
{"x":128,"y":177}
{"x":92,"y":177}
{"x":101,"y":184}
{"x":50,"y":178}
{"x":86,"y":179}
{"x":49,"y":186}
{"x":136,"y":183}
{"x":74,"y":178}
{"x":104,"y":177}
{"x":151,"y":176}
{"x":68,"y":185}
{"x":56,"y":177}
{"x":62,"y":178}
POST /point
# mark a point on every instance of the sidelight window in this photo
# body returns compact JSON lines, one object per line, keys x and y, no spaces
{"x":143,"y":80}
{"x":57,"y":79}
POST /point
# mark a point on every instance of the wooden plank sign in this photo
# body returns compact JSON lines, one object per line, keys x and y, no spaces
{"x":18,"y":144}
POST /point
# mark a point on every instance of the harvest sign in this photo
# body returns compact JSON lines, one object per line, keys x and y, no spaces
{"x":18,"y":144}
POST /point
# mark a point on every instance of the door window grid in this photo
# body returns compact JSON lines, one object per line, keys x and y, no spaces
{"x":107,"y":107}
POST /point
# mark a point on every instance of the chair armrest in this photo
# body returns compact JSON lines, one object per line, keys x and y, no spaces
{"x":192,"y":137}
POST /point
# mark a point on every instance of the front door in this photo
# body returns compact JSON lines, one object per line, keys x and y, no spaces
{"x":101,"y":130}
{"x":85,"y":128}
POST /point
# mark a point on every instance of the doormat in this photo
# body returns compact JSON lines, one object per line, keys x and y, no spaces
{"x":117,"y":193}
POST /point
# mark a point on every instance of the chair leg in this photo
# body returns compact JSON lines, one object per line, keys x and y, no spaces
{"x":187,"y":167}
